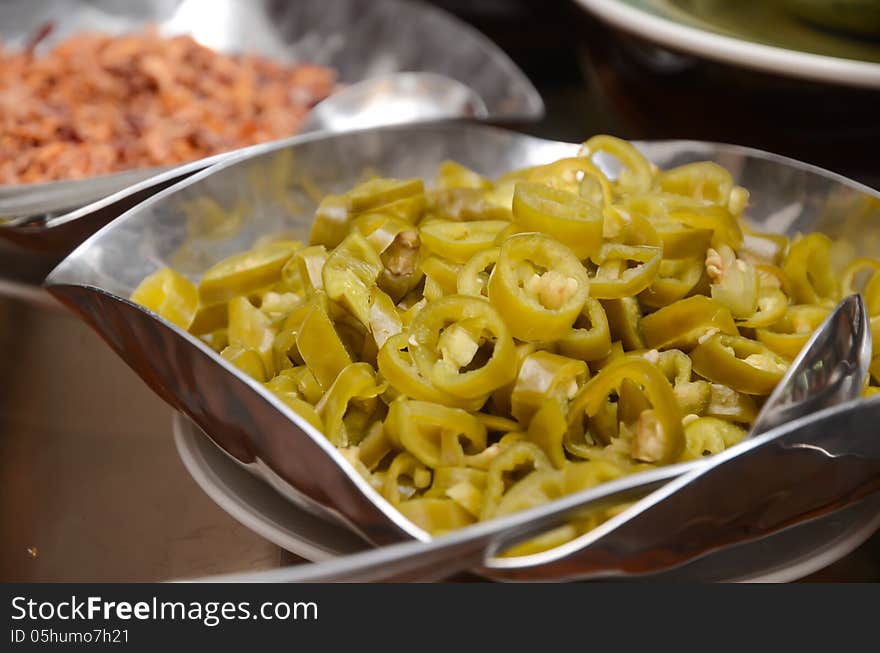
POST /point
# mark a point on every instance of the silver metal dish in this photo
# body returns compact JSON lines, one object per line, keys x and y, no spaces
{"x":359,"y":38}
{"x":268,"y":192}
{"x":245,"y":496}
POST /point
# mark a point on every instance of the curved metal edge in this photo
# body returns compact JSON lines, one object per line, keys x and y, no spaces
{"x":216,"y":486}
{"x":219,"y":395}
{"x":534,"y":109}
{"x":758,"y":56}
{"x":589,"y":546}
{"x":195,"y":173}
{"x":56,"y":276}
{"x":74,"y":227}
{"x":846,"y":544}
{"x":285,"y":529}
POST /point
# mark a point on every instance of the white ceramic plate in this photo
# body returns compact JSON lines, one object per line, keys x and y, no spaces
{"x":254,"y":503}
{"x":749,"y":34}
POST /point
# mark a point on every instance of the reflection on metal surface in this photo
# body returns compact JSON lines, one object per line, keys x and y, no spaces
{"x":360,"y":38}
{"x":784,"y":557}
{"x":91,"y":487}
{"x":239,"y":413}
{"x":830,"y":369}
{"x":768,"y":485}
{"x":396,"y":99}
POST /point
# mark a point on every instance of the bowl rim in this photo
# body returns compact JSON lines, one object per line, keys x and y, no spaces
{"x":739,"y":52}
{"x":55,"y":279}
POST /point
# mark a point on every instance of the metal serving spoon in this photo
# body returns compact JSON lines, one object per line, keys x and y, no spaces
{"x":830,"y":370}
{"x":391,"y":99}
{"x":395,"y":99}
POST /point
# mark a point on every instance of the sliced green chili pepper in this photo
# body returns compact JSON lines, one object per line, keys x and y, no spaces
{"x":379,"y":193}
{"x":454,"y":175}
{"x":251,"y":329}
{"x":676,"y":278}
{"x":309,"y":265}
{"x":349,"y":273}
{"x":809,"y":271}
{"x":547,"y":428}
{"x":396,"y":366}
{"x":706,"y":436}
{"x":538,"y":286}
{"x":590,"y":336}
{"x":788,"y":336}
{"x":728,"y":404}
{"x":436,"y":516}
{"x":616,"y":276}
{"x":702,"y":181}
{"x":244,"y":273}
{"x":739,"y":363}
{"x":473,"y":277}
{"x":682,"y":324}
{"x":693,"y":396}
{"x":380,"y":229}
{"x":681,"y":241}
{"x":872,"y":294}
{"x":637,"y":173}
{"x":501,"y":396}
{"x":515,"y":462}
{"x":623,"y":316}
{"x":320,"y":347}
{"x":216,"y":340}
{"x":438,"y":436}
{"x":544,"y":377}
{"x":171,"y":295}
{"x":384,"y":317}
{"x":562,"y":215}
{"x":463,"y":485}
{"x":349,"y":404}
{"x":301,"y":408}
{"x":466,"y":205}
{"x":534,"y":490}
{"x":866,"y":267}
{"x":443,"y":273}
{"x":247,"y":360}
{"x":497,"y":423}
{"x":772,"y":304}
{"x":724,"y":226}
{"x":763,"y":248}
{"x":374,"y":447}
{"x":463,"y":346}
{"x":331,"y":221}
{"x":459,"y":241}
{"x":659,"y":437}
{"x":735,"y":281}
{"x":405,"y":476}
{"x":402,"y":272}
{"x":577,"y":175}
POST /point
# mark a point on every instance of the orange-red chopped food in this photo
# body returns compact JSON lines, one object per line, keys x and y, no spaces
{"x":97,"y":104}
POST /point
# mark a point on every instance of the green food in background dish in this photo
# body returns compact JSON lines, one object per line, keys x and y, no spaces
{"x":789,"y":24}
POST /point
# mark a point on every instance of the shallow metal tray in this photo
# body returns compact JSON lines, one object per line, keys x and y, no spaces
{"x":268,"y":193}
{"x":359,"y":38}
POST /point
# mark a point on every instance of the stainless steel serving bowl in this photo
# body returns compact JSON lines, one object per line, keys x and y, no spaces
{"x":224,"y":209}
{"x":359,"y":38}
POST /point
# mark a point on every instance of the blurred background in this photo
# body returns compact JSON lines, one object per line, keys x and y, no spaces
{"x":90,"y":508}
{"x":594,"y":78}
